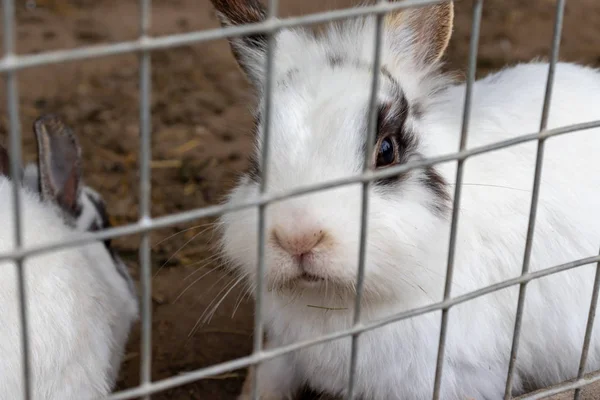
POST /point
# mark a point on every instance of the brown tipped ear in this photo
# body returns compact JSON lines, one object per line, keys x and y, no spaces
{"x":4,"y":162}
{"x":430,"y":28}
{"x":249,"y":51}
{"x":59,"y":162}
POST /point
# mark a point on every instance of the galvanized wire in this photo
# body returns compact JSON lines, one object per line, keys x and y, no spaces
{"x":371,"y":131}
{"x":368,"y":326}
{"x":562,"y":388}
{"x":12,"y":93}
{"x":184,"y":39}
{"x":11,"y":63}
{"x":560,"y":9}
{"x":588,"y":330}
{"x":211,"y":211}
{"x":145,"y":197}
{"x":260,"y":268}
{"x":473,"y":46}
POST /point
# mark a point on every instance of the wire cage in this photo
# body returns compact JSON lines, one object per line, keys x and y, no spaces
{"x":10,"y":63}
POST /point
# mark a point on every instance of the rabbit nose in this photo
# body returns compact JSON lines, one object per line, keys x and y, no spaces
{"x":297,"y":244}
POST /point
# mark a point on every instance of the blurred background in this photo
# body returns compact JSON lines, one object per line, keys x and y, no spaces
{"x":201,"y":138}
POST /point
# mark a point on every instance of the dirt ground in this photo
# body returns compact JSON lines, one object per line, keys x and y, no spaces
{"x":201,"y":124}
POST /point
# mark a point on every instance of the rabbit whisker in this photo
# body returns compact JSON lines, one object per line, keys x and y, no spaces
{"x":204,"y":263}
{"x":198,"y":279}
{"x":216,"y":306}
{"x":185,"y":230}
{"x":244,"y":293}
{"x":178,"y":250}
{"x":492,"y":186}
{"x":230,"y":285}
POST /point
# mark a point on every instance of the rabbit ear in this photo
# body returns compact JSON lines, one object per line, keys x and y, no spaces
{"x":249,"y":51}
{"x":429,"y":29}
{"x":4,"y":162}
{"x":59,"y":159}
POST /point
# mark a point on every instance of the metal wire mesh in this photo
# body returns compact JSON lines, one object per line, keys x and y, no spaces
{"x":10,"y":63}
{"x":560,"y":8}
{"x":145,"y":199}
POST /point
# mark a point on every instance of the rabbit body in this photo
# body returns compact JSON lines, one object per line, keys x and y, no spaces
{"x":398,"y":361}
{"x":319,"y":120}
{"x":79,"y":309}
{"x":79,"y":306}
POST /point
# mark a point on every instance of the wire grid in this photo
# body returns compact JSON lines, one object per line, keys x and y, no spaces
{"x":10,"y":63}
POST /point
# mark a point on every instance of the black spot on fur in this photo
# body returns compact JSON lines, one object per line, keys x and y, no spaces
{"x":388,"y":74}
{"x":253,"y":171}
{"x":335,"y":60}
{"x":70,"y":217}
{"x":122,"y":270}
{"x":101,"y":209}
{"x":391,"y":123}
{"x":416,"y":110}
{"x":437,"y":185}
{"x":4,"y":162}
{"x":103,"y":221}
{"x":288,"y":77}
{"x":395,"y":84}
{"x":77,"y":210}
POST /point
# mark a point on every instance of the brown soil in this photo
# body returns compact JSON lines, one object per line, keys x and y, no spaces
{"x":200,"y":123}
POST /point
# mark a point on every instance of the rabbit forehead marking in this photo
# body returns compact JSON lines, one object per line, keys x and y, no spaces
{"x":396,"y":106}
{"x":437,"y":185}
{"x":392,"y":121}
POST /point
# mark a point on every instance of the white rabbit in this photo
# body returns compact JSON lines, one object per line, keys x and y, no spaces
{"x":81,"y":301}
{"x":319,"y":115}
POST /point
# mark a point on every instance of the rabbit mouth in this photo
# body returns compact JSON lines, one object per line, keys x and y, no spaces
{"x":310,"y":278}
{"x":300,"y":280}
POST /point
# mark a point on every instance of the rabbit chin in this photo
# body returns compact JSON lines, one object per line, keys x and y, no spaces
{"x":317,"y":279}
{"x":287,"y":275}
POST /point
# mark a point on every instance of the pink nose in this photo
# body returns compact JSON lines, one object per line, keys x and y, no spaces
{"x":298,"y":243}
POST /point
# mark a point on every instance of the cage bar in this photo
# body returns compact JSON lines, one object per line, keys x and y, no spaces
{"x":588,"y":331}
{"x":11,"y":63}
{"x":560,"y":8}
{"x":209,"y":211}
{"x":276,"y":352}
{"x":260,"y":268}
{"x":145,"y":183}
{"x":473,"y":46}
{"x":12,"y":93}
{"x":178,"y":40}
{"x":372,"y":128}
{"x":561,"y":388}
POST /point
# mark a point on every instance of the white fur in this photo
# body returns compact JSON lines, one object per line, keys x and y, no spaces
{"x":79,"y":309}
{"x":317,"y":133}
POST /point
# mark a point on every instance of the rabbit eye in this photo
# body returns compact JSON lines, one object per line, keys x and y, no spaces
{"x":386,"y":153}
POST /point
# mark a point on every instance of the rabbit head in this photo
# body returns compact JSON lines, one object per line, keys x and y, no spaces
{"x":319,"y":122}
{"x":57,"y":178}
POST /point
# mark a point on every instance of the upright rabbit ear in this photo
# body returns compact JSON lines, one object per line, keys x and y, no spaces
{"x":59,"y":158}
{"x":249,"y":51}
{"x":428,"y":30}
{"x":4,"y":162}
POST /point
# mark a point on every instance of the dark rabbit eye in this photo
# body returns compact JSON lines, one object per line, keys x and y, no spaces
{"x":386,"y":153}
